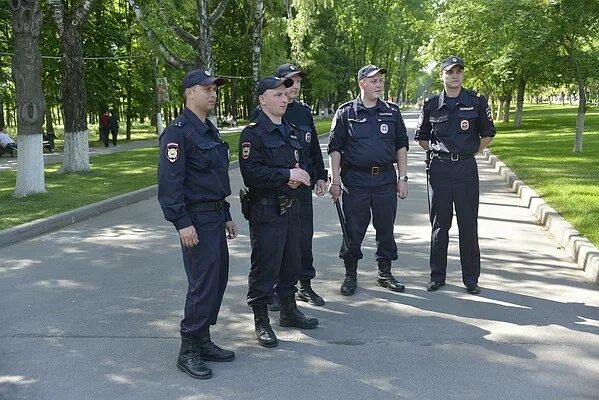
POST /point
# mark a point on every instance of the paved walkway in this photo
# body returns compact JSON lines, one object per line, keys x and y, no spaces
{"x":92,"y":311}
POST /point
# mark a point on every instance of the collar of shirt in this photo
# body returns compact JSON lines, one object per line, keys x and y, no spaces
{"x":270,"y":126}
{"x":359,"y":105}
{"x":202,"y":127}
{"x":461,"y":99}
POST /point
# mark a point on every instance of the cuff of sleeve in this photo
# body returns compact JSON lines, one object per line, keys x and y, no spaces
{"x":286,"y":173}
{"x":227,"y":208}
{"x":488,"y":133}
{"x":182,"y":222}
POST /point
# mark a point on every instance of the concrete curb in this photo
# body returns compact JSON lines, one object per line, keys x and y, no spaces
{"x":584,"y":253}
{"x":54,"y":222}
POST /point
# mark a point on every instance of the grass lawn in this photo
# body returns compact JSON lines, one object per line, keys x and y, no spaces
{"x":540,"y":153}
{"x":110,"y":175}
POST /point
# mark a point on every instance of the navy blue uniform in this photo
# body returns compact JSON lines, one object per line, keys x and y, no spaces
{"x":193,"y":182}
{"x":453,"y":127}
{"x":267,"y":153}
{"x":300,"y":115}
{"x":368,"y":140}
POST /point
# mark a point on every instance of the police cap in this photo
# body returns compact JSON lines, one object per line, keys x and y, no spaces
{"x":289,"y":70}
{"x":272,"y":82}
{"x":451,"y":62}
{"x":370,"y":70}
{"x":201,"y":77}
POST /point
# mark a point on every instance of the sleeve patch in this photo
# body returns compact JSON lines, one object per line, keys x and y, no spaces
{"x":489,"y":114}
{"x":245,"y":150}
{"x":172,"y":152}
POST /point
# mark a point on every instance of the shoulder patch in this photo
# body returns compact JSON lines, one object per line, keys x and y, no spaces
{"x":436,"y":96}
{"x":472,"y":92}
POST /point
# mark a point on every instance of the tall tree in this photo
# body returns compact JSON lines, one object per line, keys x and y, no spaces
{"x":31,"y":105}
{"x":200,"y":38}
{"x":257,"y":40}
{"x":69,"y":23}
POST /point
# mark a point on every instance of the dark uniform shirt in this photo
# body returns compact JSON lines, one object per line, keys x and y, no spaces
{"x":299,"y":115}
{"x":455,"y":126}
{"x":267,"y":153}
{"x":193,"y":167}
{"x":368,"y":136}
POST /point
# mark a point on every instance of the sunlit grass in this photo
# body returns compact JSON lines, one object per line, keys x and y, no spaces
{"x":110,"y":175}
{"x":540,"y":153}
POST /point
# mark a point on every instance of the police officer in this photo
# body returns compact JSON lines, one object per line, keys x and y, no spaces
{"x":193,"y":183}
{"x":300,"y":115}
{"x":367,"y":137}
{"x":453,"y":126}
{"x":273,"y":168}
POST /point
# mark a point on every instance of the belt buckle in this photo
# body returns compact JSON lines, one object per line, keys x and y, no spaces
{"x":457,"y":156}
{"x":375,"y":170}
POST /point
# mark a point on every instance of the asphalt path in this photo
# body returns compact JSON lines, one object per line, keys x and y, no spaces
{"x":92,"y":311}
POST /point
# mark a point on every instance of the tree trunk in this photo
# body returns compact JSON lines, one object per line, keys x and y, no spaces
{"x":520,"y":102}
{"x":31,"y":103}
{"x":506,"y":109}
{"x":257,"y":40}
{"x":2,"y":123}
{"x":74,"y":102}
{"x":582,"y":108}
{"x":204,"y":49}
{"x":500,"y":109}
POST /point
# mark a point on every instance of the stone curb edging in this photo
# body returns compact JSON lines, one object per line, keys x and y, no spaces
{"x":40,"y":226}
{"x":54,"y":222}
{"x":584,"y":253}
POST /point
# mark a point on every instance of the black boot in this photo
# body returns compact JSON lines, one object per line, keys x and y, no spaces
{"x":307,"y":294}
{"x":275,"y":303}
{"x":190,"y":360}
{"x":385,"y":278}
{"x":351,"y":278}
{"x":264,"y":333}
{"x":211,"y":352}
{"x":292,"y":317}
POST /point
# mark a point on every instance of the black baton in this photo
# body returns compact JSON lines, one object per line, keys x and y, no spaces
{"x":342,"y":222}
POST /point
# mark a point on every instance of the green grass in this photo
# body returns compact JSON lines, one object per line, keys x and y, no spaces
{"x":110,"y":175}
{"x":540,"y":153}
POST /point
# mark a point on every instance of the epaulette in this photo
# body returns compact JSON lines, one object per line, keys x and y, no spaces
{"x":301,"y":103}
{"x":392,"y":105}
{"x":436,"y":96}
{"x":180,"y":122}
{"x":251,"y":124}
{"x":472,"y":92}
{"x":347,"y":103}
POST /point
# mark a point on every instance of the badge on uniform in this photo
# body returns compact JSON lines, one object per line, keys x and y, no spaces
{"x":308,"y":137}
{"x":464,"y":124}
{"x":172,"y":152}
{"x":384,"y":129}
{"x":296,"y":154}
{"x":245,"y":150}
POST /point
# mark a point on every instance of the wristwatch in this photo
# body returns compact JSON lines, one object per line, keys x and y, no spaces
{"x":403,"y":178}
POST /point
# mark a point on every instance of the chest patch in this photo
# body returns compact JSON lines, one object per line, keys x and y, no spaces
{"x":172,"y":152}
{"x":465,"y":124}
{"x":308,"y":137}
{"x":384,"y":129}
{"x":245,"y":150}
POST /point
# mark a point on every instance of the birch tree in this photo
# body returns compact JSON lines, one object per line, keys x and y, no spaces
{"x":31,"y":105}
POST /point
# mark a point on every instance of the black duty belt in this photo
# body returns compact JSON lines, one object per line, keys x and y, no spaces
{"x":372,"y":169}
{"x":268,"y":201}
{"x":206,"y":206}
{"x":452,"y":156}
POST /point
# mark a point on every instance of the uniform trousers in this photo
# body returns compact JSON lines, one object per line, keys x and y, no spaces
{"x":304,"y":196}
{"x":454,"y":183}
{"x":276,"y":255}
{"x":207,"y":269}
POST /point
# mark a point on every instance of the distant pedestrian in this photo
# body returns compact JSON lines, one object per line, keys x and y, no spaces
{"x":454,"y":125}
{"x":7,"y":144}
{"x":114,"y":126}
{"x":104,"y":127}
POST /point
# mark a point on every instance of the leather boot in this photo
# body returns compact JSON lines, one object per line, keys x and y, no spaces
{"x":351,"y":278}
{"x":190,"y":359}
{"x":264,"y":333}
{"x":385,"y":278}
{"x":275,"y":303}
{"x":292,"y":317}
{"x":307,"y":294}
{"x":211,"y":352}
